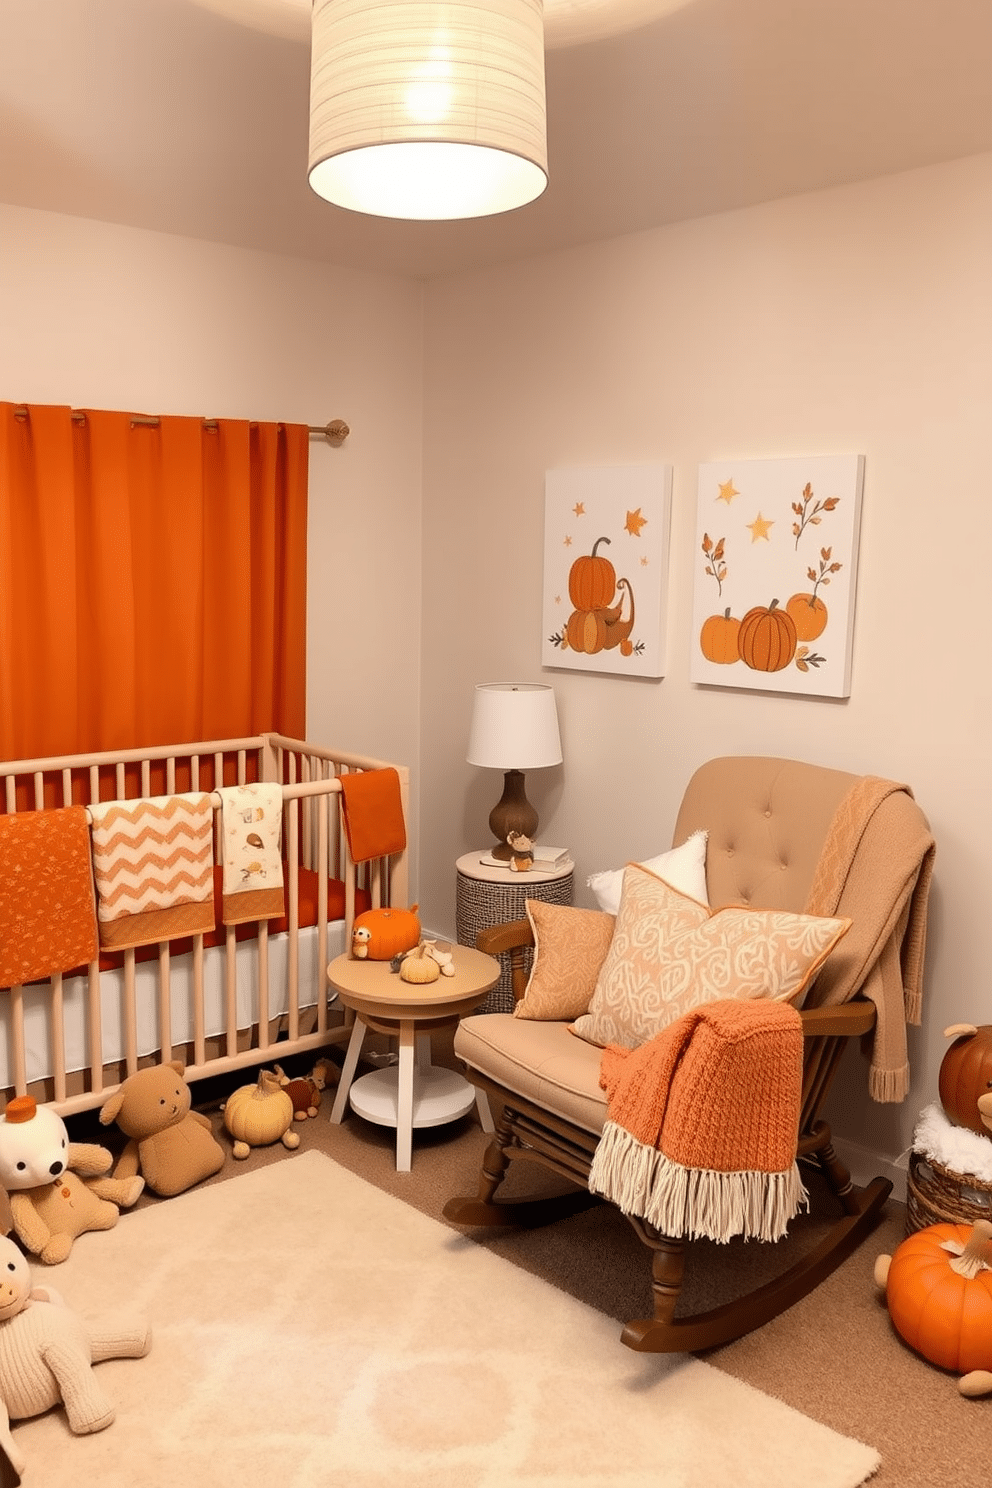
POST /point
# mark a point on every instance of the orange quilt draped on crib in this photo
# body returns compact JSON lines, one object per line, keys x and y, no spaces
{"x":152,"y":580}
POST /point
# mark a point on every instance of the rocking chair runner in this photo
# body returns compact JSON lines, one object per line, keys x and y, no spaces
{"x":782,"y":835}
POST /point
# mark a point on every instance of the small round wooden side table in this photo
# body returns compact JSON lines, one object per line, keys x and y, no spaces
{"x":412,"y":1092}
{"x":487,"y":896}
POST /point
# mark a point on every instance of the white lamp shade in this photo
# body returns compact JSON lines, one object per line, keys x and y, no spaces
{"x":428,"y":111}
{"x":514,"y":727}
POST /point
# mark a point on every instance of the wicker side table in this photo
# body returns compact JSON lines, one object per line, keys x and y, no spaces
{"x":489,"y":896}
{"x":936,"y":1195}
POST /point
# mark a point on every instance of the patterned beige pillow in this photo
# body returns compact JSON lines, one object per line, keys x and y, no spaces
{"x":670,"y":954}
{"x":570,"y":946}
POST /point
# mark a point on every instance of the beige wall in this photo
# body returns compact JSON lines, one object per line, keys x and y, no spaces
{"x":108,"y":317}
{"x":852,"y":320}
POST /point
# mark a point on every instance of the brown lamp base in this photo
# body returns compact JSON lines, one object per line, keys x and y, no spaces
{"x":512,"y":813}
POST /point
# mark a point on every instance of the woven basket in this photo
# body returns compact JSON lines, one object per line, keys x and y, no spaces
{"x":935,"y":1195}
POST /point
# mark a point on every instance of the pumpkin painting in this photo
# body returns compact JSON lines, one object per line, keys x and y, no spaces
{"x":592,"y":580}
{"x":767,"y":638}
{"x":938,"y":1287}
{"x":965,"y":1079}
{"x":719,"y":639}
{"x":809,"y":616}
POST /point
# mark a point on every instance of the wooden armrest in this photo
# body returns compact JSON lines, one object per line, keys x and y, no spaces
{"x":500,"y":938}
{"x":848,"y":1020}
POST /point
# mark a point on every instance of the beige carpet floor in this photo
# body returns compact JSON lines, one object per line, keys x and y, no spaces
{"x":834,"y":1356}
{"x":311,"y":1329}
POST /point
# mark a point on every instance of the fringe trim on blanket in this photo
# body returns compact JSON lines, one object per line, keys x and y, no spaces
{"x":888,"y":1084}
{"x":693,"y":1203}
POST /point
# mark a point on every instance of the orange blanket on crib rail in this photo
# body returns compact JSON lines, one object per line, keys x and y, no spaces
{"x":47,"y":905}
{"x":373,"y":814}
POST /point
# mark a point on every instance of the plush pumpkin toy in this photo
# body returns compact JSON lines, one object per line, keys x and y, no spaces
{"x":260,"y":1114}
{"x":171,"y":1146}
{"x":47,"y":1352}
{"x":381,"y":934}
{"x":58,"y":1189}
{"x":938,"y":1286}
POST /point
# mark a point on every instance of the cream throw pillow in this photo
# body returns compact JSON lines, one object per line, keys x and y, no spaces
{"x":684,"y":867}
{"x":570,"y":946}
{"x":670,"y":954}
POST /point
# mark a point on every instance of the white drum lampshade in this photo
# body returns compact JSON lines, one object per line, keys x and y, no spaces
{"x":514,"y":728}
{"x":429,"y":111}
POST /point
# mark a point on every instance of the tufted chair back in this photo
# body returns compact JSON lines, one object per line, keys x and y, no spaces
{"x":767,"y":821}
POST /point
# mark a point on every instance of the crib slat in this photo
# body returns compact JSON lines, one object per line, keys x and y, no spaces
{"x":19,"y":1070}
{"x":292,"y":854}
{"x":164,"y":1003}
{"x":231,"y":992}
{"x":130,"y":1014}
{"x":199,"y":1032}
{"x":58,"y":1038}
{"x":95,"y":1022}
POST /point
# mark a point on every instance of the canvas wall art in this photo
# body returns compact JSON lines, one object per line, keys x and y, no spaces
{"x":606,"y":532}
{"x":776,"y":562}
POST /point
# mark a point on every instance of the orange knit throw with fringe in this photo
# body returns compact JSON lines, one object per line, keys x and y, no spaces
{"x":703,"y":1121}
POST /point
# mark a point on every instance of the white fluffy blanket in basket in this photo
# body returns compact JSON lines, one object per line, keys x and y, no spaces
{"x":954,"y":1147}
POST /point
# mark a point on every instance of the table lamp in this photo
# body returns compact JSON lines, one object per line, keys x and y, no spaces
{"x":514,"y":728}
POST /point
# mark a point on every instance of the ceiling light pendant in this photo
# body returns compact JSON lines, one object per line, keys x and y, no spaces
{"x":429,"y":111}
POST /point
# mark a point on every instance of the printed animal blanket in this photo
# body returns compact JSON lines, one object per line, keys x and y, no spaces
{"x":252,"y":831}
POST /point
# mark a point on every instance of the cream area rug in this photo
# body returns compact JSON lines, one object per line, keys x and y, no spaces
{"x":311,"y":1331}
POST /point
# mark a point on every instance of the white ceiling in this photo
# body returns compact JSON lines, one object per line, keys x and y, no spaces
{"x":165,"y":114}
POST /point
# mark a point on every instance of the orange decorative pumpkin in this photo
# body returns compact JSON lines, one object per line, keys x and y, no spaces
{"x":586,"y":631}
{"x":381,"y":934}
{"x":939,"y":1293}
{"x":809,"y":616}
{"x":965,"y":1079}
{"x":592,"y":580}
{"x":767,"y":638}
{"x":719,"y":639}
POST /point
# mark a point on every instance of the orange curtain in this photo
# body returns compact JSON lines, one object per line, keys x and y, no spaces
{"x":152,"y":580}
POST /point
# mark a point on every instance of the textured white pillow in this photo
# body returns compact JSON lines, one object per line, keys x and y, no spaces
{"x":683,"y":867}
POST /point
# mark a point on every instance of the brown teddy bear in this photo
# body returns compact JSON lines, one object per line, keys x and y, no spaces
{"x":58,"y":1189}
{"x":171,"y":1146}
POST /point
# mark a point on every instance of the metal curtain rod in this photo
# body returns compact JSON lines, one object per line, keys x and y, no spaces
{"x":336,"y":431}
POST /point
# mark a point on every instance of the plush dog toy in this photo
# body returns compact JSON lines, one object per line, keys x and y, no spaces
{"x":46,"y":1354}
{"x":58,"y":1189}
{"x":305,"y":1090}
{"x":171,"y":1146}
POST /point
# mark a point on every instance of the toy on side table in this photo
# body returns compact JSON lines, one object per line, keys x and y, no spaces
{"x":58,"y":1189}
{"x":380,"y":934}
{"x":170,"y":1145}
{"x":305,"y":1091}
{"x":258,"y":1115}
{"x":47,"y":1352}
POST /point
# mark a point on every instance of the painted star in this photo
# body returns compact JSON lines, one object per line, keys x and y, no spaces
{"x":579,"y":509}
{"x":760,"y":527}
{"x":568,"y":542}
{"x":635,"y":522}
{"x":644,"y":561}
{"x":727,"y":491}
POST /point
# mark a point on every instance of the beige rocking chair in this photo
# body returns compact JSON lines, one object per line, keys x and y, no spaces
{"x":781,"y":835}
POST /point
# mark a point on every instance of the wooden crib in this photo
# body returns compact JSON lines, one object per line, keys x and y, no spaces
{"x":238,"y":997}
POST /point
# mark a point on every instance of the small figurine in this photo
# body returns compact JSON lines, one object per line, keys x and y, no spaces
{"x":521,"y":852}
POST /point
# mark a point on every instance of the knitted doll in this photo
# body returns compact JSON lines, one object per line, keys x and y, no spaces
{"x":46,"y":1354}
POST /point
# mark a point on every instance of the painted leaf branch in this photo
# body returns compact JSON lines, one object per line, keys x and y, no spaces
{"x":808,"y":511}
{"x":715,"y":566}
{"x":805,"y":658}
{"x":826,"y":569}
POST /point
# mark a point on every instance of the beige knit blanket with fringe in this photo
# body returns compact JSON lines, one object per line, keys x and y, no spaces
{"x":884,"y":889}
{"x":703,"y":1121}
